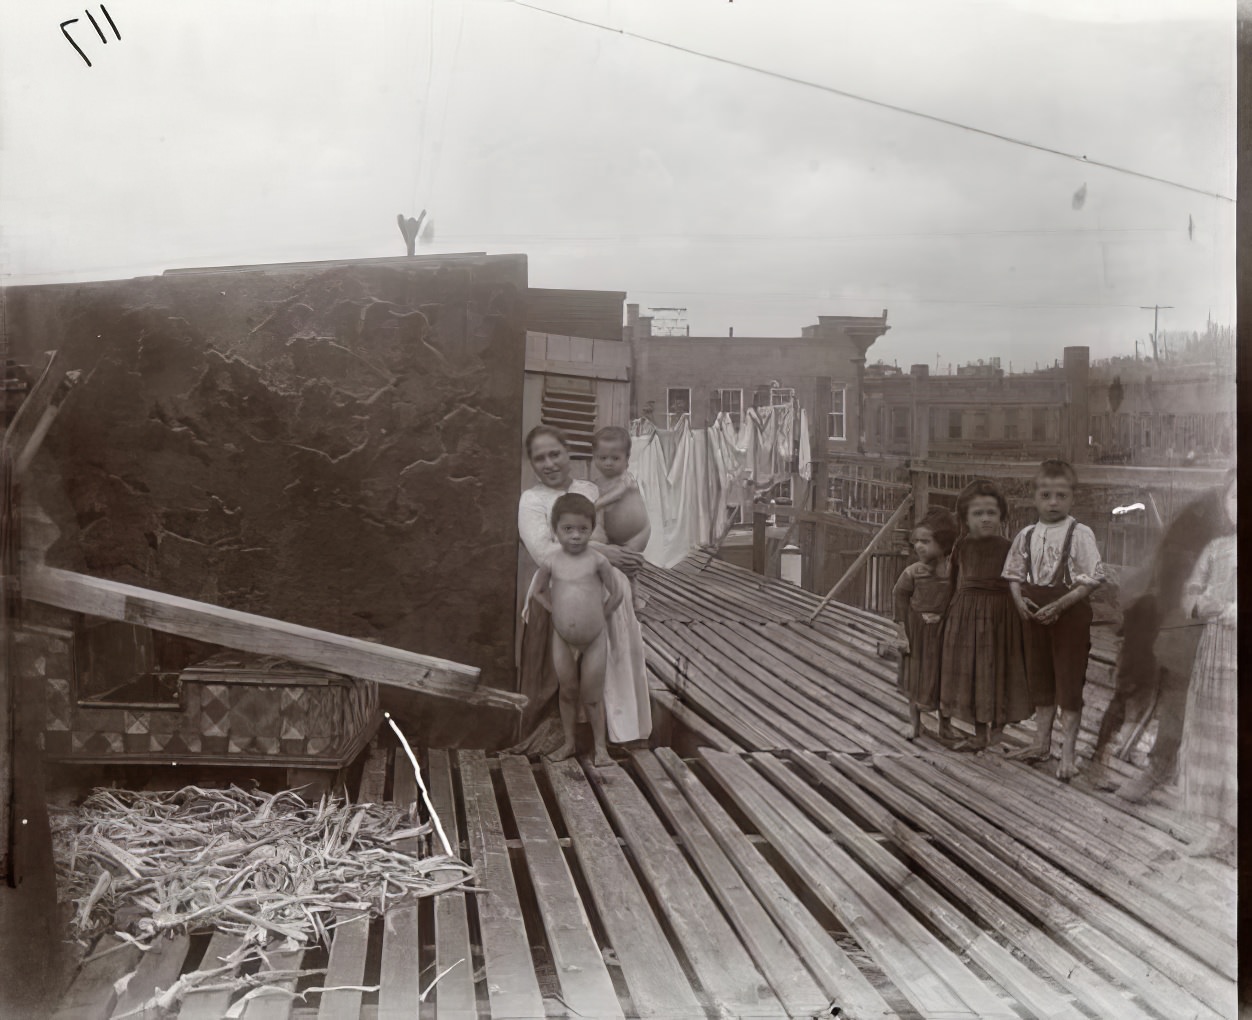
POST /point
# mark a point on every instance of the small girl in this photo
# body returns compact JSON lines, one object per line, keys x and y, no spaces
{"x":1208,"y":757}
{"x":920,"y":597}
{"x":982,"y":667}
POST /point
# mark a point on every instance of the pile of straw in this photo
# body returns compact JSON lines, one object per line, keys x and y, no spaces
{"x":252,"y":864}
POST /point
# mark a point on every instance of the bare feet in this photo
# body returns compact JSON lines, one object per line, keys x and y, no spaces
{"x":1100,"y":776}
{"x":911,"y":732}
{"x":1136,"y":790}
{"x":1030,"y":754}
{"x":1068,"y":768}
{"x":971,"y":744}
{"x":562,"y":753}
{"x":602,"y":758}
{"x":948,"y":732}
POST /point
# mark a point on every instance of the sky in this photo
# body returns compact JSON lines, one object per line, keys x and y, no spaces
{"x":758,"y":162}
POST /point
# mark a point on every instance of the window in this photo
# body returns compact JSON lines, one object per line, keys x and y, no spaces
{"x":837,"y":419}
{"x":954,"y":425}
{"x":900,"y":424}
{"x":1038,"y":424}
{"x":980,"y":424}
{"x":781,"y":395}
{"x":730,"y":401}
{"x":1011,"y":426}
{"x":677,"y":403}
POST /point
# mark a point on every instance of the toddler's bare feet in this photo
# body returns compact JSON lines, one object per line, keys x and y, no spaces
{"x":948,"y":732}
{"x":1068,"y":768}
{"x":562,"y":753}
{"x":911,"y":732}
{"x":602,"y":758}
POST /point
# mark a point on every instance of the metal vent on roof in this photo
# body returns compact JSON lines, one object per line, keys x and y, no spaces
{"x":573,"y":412}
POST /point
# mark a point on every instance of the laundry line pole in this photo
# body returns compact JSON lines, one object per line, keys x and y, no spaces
{"x":866,"y":553}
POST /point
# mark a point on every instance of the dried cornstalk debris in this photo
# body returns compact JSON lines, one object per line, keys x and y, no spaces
{"x":143,"y":864}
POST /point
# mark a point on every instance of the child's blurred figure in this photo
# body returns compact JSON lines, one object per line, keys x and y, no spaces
{"x":1052,"y":569}
{"x":982,"y":671}
{"x":1208,"y":757}
{"x":580,"y":580}
{"x":920,"y":597}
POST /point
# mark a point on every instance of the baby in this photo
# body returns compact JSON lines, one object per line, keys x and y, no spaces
{"x":621,"y":504}
{"x":579,"y":578}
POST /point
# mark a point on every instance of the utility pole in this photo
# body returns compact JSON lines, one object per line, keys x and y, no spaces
{"x":1156,"y":315}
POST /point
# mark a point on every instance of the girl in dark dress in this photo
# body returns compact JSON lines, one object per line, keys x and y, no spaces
{"x":920,"y":596}
{"x":982,"y":666}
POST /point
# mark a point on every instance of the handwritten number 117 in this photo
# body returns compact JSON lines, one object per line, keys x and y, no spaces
{"x":94,"y":24}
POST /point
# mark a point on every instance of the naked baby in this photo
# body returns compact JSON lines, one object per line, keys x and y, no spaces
{"x":575,"y":585}
{"x":623,"y":517}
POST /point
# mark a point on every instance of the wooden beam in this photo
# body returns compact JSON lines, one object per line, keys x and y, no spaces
{"x":582,"y":369}
{"x":868,"y":551}
{"x":421,"y":674}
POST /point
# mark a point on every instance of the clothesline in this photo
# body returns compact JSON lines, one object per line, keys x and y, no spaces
{"x":693,"y":479}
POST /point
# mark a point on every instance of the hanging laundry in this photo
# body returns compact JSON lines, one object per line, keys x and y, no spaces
{"x":806,"y":447}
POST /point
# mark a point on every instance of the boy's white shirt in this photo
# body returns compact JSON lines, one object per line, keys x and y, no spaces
{"x":1046,"y":543}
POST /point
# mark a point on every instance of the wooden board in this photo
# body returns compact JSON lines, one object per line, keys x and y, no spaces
{"x":92,"y":995}
{"x":586,"y":986}
{"x":272,"y":1002}
{"x":658,"y":986}
{"x":836,"y":974}
{"x":780,"y":964}
{"x":159,"y":968}
{"x":512,"y":987}
{"x":348,"y":950}
{"x":454,"y":994}
{"x":210,"y":1005}
{"x":725,"y":970}
{"x":399,"y":973}
{"x":422,"y":674}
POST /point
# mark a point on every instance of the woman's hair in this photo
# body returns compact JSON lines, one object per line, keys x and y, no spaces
{"x":573,"y":503}
{"x":545,"y":430}
{"x":980,"y":487}
{"x":942,"y":525}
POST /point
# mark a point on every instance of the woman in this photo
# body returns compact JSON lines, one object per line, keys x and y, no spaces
{"x":626,"y":703}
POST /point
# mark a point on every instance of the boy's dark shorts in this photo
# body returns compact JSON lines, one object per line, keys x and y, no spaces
{"x":1056,"y":654}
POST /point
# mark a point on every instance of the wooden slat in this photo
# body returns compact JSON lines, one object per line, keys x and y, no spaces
{"x":1100,"y":996}
{"x":399,"y":977}
{"x":374,"y":774}
{"x":272,"y":1003}
{"x":159,"y":968}
{"x":722,"y":965}
{"x":92,"y":995}
{"x":512,"y":987}
{"x":585,"y":983}
{"x":929,"y":975}
{"x":658,"y":986}
{"x":454,"y":994}
{"x":1024,"y":986}
{"x":248,"y":632}
{"x":837,"y":976}
{"x":780,"y":964}
{"x":210,"y":1005}
{"x":348,"y":950}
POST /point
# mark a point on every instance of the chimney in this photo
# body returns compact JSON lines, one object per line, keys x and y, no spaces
{"x":732,"y":330}
{"x":1077,"y":412}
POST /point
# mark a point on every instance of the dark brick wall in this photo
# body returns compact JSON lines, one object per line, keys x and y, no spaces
{"x":334,"y":445}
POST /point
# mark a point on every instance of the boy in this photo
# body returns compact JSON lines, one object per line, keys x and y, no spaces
{"x":623,"y":515}
{"x":579,"y":577}
{"x":1052,"y":568}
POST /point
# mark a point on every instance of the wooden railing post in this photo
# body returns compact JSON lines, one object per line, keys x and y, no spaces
{"x":758,"y":541}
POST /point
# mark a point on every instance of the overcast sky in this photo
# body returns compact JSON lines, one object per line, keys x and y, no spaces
{"x":244,"y":132}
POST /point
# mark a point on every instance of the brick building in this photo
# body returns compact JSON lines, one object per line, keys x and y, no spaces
{"x":823,"y":368}
{"x":981,"y":412}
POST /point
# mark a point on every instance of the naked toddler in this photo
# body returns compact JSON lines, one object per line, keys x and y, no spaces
{"x":571,"y":585}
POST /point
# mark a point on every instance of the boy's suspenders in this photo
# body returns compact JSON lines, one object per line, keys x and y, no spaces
{"x":1066,"y":578}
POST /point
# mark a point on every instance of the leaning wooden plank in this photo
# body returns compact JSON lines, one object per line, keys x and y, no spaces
{"x":704,"y":732}
{"x":836,"y":974}
{"x":348,"y":949}
{"x":1026,"y":988}
{"x":928,"y":974}
{"x":724,"y":968}
{"x":658,"y":986}
{"x":1133,"y":914}
{"x":159,"y":968}
{"x":273,"y":1001}
{"x":512,"y":987}
{"x":399,"y":994}
{"x":454,"y":994}
{"x":586,"y":986}
{"x":211,"y":1004}
{"x":93,"y":994}
{"x":781,"y":966}
{"x":374,"y":773}
{"x":1074,"y":914}
{"x":422,"y":674}
{"x":1090,"y":988}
